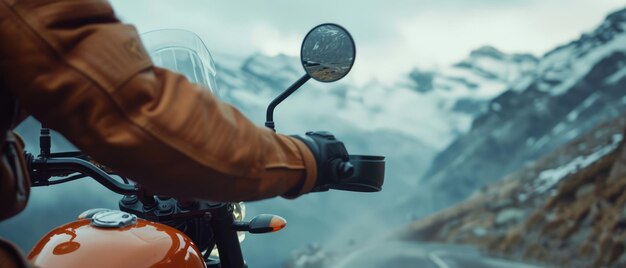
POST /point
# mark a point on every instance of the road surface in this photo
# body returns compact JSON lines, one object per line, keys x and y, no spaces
{"x":409,"y":254}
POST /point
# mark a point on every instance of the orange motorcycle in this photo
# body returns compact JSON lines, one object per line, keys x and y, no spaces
{"x":152,"y":230}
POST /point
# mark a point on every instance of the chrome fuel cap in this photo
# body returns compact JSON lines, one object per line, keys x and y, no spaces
{"x":113,"y":219}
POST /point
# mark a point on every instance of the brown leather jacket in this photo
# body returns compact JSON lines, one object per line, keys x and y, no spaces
{"x":76,"y":68}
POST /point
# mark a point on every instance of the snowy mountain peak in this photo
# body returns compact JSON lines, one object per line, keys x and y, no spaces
{"x":574,"y":88}
{"x":565,"y":66}
{"x":617,"y":16}
{"x":278,"y":69}
{"x":490,"y":63}
{"x":492,"y":52}
{"x":483,"y":68}
{"x":487,"y":51}
{"x":456,"y":94}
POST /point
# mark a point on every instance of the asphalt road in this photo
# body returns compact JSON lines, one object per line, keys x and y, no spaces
{"x":407,"y":254}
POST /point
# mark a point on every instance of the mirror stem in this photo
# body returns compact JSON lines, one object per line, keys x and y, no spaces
{"x":269,"y":122}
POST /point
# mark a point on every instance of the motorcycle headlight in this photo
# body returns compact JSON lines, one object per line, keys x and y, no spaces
{"x":239,"y":211}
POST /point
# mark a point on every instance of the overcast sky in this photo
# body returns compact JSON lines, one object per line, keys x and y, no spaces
{"x":392,"y":37}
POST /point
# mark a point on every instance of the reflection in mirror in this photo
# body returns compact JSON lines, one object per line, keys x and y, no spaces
{"x":328,"y":52}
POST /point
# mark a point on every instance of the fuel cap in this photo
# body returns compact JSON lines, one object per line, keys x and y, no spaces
{"x":113,"y":219}
{"x":88,"y":214}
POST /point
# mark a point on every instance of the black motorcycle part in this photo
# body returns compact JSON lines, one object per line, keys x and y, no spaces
{"x":368,"y":176}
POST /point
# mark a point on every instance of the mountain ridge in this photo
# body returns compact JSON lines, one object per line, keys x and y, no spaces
{"x":551,"y":110}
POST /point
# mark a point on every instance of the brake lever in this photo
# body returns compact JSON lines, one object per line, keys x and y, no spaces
{"x":43,"y":169}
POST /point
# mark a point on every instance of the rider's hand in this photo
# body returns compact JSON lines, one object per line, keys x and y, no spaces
{"x":332,"y":159}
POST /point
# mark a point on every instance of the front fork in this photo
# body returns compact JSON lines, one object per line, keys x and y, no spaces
{"x":226,"y":237}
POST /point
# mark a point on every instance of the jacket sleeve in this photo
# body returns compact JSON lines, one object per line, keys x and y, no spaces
{"x":76,"y":68}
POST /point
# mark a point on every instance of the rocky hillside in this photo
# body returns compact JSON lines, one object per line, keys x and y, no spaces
{"x":567,"y":209}
{"x":574,"y":88}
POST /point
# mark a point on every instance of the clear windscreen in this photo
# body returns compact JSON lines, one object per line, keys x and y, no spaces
{"x":183,"y":52}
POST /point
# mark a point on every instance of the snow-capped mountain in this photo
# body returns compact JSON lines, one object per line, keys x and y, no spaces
{"x":433,"y":106}
{"x":575,"y":87}
{"x":458,"y":93}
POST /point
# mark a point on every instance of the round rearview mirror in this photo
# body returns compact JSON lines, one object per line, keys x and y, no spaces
{"x":327,"y":52}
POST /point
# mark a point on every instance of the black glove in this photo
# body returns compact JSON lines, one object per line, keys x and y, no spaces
{"x":333,"y":162}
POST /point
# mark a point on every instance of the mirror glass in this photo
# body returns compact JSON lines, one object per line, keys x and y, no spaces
{"x":328,"y":52}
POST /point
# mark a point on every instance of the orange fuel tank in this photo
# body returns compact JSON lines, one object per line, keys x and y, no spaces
{"x":135,"y":243}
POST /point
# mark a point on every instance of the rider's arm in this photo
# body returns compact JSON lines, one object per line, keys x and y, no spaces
{"x":78,"y":70}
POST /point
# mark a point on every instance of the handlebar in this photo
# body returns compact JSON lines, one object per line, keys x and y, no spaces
{"x":43,"y":169}
{"x":362,"y":173}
